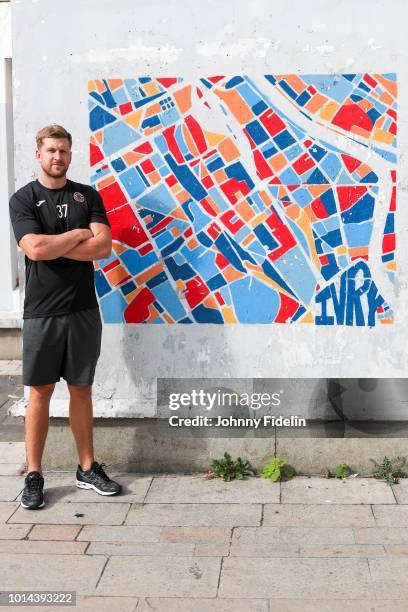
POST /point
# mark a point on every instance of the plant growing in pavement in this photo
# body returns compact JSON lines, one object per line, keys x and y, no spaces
{"x":228,"y":469}
{"x":390,"y":470}
{"x":277,"y":469}
{"x":343,"y":470}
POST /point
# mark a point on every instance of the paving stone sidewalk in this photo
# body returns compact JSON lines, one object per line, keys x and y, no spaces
{"x":180,"y":543}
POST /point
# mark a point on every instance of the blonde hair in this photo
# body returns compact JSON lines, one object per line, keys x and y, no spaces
{"x":52,"y":131}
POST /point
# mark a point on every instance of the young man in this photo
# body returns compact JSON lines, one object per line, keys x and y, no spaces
{"x":62,"y":227}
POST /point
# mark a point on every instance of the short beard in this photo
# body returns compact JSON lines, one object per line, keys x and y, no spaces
{"x":60,"y":173}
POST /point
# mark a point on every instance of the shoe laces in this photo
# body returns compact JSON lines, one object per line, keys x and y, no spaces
{"x":34,"y":483}
{"x":100,"y":471}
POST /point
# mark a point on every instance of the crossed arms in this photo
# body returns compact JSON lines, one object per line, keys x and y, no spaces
{"x":79,"y":244}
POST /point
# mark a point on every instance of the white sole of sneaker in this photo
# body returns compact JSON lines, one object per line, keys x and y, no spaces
{"x":31,"y":508}
{"x":85,"y":485}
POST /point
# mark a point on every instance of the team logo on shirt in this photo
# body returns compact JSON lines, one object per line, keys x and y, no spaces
{"x":78,"y":197}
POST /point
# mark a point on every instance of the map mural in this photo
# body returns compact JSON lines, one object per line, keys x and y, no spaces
{"x":236,"y":199}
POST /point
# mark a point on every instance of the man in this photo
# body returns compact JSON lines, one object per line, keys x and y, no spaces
{"x":62,"y":227}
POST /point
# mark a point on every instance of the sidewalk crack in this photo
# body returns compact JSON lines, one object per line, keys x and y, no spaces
{"x":103,"y":569}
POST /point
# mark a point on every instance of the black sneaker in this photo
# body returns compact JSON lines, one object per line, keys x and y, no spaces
{"x":96,"y":478}
{"x":33,"y":496}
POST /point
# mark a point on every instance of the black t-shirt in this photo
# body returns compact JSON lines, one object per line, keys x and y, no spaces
{"x":57,"y":286}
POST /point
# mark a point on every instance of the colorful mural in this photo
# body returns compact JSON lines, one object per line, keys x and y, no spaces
{"x":247,"y":200}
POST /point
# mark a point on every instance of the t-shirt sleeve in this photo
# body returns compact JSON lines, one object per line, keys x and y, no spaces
{"x":97,"y":212}
{"x":23,"y":218}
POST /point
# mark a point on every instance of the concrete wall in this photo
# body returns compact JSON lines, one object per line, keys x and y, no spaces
{"x":58,"y":47}
{"x":9,"y":306}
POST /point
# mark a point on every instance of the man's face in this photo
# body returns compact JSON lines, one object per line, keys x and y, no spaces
{"x":54,"y":156}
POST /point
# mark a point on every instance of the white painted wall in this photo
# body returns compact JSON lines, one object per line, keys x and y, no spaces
{"x":57,"y":47}
{"x":9,"y":303}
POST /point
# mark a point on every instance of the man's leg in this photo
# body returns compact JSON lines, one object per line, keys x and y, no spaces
{"x":81,"y":421}
{"x":36,"y":424}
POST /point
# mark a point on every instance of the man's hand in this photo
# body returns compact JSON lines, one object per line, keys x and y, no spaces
{"x":98,"y":246}
{"x":44,"y":247}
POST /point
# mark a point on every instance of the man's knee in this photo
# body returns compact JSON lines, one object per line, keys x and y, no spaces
{"x":42,"y":392}
{"x":80,"y":392}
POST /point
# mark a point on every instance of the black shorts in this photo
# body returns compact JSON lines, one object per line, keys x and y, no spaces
{"x":66,"y":346}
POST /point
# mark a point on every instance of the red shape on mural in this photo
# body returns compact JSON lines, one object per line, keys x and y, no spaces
{"x":282,"y":234}
{"x":263,"y":168}
{"x":112,"y":196}
{"x":126,"y":227}
{"x":233,"y":226}
{"x":287,"y":308}
{"x":319,"y":209}
{"x":215,"y":79}
{"x":125,"y":108}
{"x":95,"y":154}
{"x":349,"y":194}
{"x":207,"y":207}
{"x":219,"y":297}
{"x":146,"y":147}
{"x":167,"y":82}
{"x":197,"y":133}
{"x":393,"y":199}
{"x":147,"y":166}
{"x":350,"y":162}
{"x":172,"y":144}
{"x":350,"y":115}
{"x":388,"y":243}
{"x":138,"y":309}
{"x":305,"y":162}
{"x":207,"y":182}
{"x":196,"y":291}
{"x":221,"y":261}
{"x":232,"y":186}
{"x":272,"y":122}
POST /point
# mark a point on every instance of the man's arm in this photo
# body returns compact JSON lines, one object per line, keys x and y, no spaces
{"x":43,"y":247}
{"x":98,"y":246}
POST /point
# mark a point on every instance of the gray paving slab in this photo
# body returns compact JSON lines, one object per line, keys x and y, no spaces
{"x":296,"y":578}
{"x":54,"y":532}
{"x":160,"y":576}
{"x":14,"y":532}
{"x":381,"y":535}
{"x":396,"y":549}
{"x":195,"y":489}
{"x":123,"y":533}
{"x":216,"y":515}
{"x":149,"y":549}
{"x":264,"y":541}
{"x":23,"y":572}
{"x":343,"y":550}
{"x":211,"y":549}
{"x":12,"y":452}
{"x":318,"y":515}
{"x":339,"y":605}
{"x":196,"y":534}
{"x":390,"y":577}
{"x":177,"y":604}
{"x":7,"y":509}
{"x":12,"y":469}
{"x":38,"y":547}
{"x":103,"y":604}
{"x":391,"y":516}
{"x":64,"y":513}
{"x":10,"y":487}
{"x":401,"y":491}
{"x":316,"y":490}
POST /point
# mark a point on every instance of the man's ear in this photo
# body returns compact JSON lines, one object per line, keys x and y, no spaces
{"x":37,"y":154}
